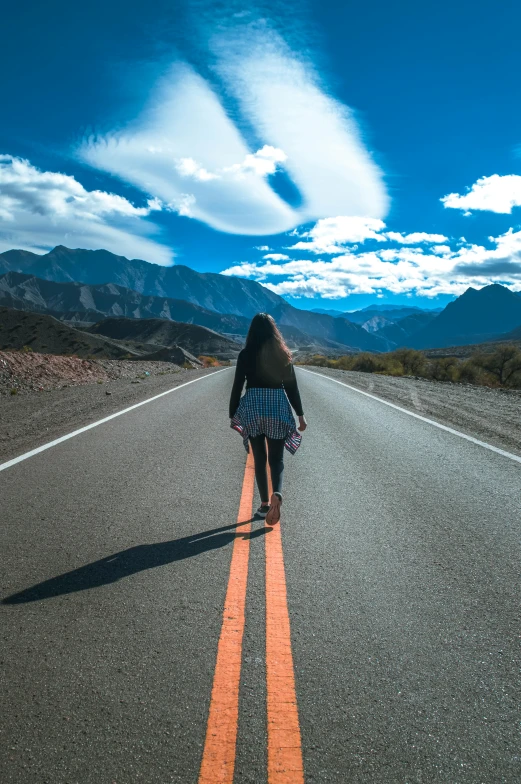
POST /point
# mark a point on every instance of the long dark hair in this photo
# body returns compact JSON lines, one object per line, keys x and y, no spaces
{"x":265,"y":343}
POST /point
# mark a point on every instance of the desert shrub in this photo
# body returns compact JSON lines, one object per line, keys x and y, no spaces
{"x":504,"y":365}
{"x":412,"y":361}
{"x":368,"y":363}
{"x":14,"y":391}
{"x":319,"y":361}
{"x":469,"y":373}
{"x":500,"y":368}
{"x":209,"y":361}
{"x":443,"y":369}
{"x":26,"y":349}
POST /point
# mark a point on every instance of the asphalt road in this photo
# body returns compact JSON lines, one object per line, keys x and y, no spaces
{"x":401,"y":548}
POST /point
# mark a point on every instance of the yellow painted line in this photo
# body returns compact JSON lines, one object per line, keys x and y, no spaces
{"x":218,"y":761}
{"x":285,"y":765}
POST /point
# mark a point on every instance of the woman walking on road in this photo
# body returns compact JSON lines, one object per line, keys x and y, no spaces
{"x":263,"y":415}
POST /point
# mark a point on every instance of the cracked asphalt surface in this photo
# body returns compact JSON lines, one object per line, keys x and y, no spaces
{"x":401,"y":545}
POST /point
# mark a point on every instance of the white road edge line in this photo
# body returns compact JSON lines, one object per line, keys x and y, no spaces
{"x":39,"y":449}
{"x":510,"y":455}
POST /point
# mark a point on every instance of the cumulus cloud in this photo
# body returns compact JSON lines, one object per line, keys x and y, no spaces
{"x":328,"y":235}
{"x":41,"y":209}
{"x":403,"y":270}
{"x":493,"y":194}
{"x":276,"y":257}
{"x":415,"y":238}
{"x":331,"y":235}
{"x":187,"y":167}
{"x":263,"y":162}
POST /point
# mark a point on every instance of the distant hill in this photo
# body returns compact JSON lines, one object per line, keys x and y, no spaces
{"x":390,"y":312}
{"x":161,"y":332}
{"x":215,"y":292}
{"x":376,"y":323}
{"x":474,"y":317}
{"x":329,"y":312}
{"x":400,"y":331}
{"x":47,"y":335}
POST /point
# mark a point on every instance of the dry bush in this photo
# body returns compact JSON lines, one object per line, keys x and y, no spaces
{"x":504,"y":365}
{"x":412,"y":361}
{"x":443,"y":369}
{"x":208,"y":361}
{"x":500,"y":368}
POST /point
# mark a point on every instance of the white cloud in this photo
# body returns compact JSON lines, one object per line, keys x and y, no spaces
{"x":263,"y":162}
{"x":187,"y":167}
{"x":41,"y":209}
{"x":284,"y":99}
{"x":331,"y":235}
{"x":185,"y":136}
{"x":276,"y":257}
{"x":415,"y":237}
{"x":494,"y":194}
{"x":426,"y":272}
{"x":262,"y":247}
{"x":328,"y":235}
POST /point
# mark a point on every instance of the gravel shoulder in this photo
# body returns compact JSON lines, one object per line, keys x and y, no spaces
{"x":32,"y":419}
{"x":492,"y":415}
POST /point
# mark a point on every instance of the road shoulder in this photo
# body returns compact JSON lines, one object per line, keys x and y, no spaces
{"x":491,"y":415}
{"x":28,"y":421}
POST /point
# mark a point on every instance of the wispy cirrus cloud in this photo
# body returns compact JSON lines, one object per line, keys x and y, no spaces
{"x":186,"y":151}
{"x":493,"y":194}
{"x":41,"y":209}
{"x":211,"y":160}
{"x":285,"y":100}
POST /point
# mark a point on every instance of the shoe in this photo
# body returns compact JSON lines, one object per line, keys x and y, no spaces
{"x":273,"y":515}
{"x":262,"y":511}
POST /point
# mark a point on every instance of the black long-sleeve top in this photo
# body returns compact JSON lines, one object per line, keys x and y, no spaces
{"x":247,"y":370}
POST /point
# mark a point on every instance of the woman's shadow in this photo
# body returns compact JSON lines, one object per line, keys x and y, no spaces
{"x":135,"y":559}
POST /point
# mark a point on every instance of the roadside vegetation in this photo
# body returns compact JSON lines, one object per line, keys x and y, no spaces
{"x":500,"y":368}
{"x":213,"y":361}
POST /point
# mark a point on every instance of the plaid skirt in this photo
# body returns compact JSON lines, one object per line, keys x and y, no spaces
{"x":264,"y":411}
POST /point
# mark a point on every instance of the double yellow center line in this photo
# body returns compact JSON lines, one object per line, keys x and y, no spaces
{"x":284,"y":742}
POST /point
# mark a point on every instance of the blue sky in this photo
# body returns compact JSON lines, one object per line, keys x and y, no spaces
{"x":339,"y":153}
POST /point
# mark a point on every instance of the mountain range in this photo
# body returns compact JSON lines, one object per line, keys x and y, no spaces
{"x":214,"y":292}
{"x":83,"y":286}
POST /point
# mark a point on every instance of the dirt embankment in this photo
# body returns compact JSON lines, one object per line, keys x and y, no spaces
{"x":28,"y":372}
{"x":491,"y":415}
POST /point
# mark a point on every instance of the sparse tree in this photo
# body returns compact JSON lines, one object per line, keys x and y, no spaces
{"x":504,"y":363}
